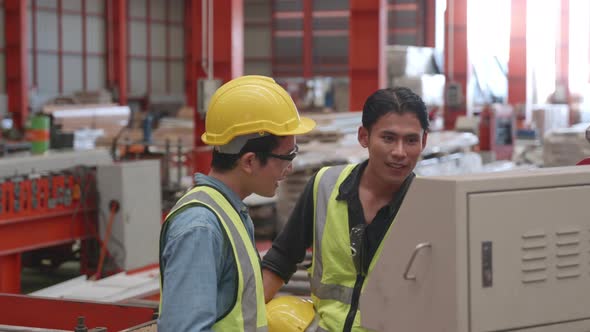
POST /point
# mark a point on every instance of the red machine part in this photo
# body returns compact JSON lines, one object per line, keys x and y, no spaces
{"x":497,"y":130}
{"x":19,"y":310}
{"x":42,"y":211}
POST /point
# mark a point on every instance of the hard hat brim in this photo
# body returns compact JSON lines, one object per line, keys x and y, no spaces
{"x":305,"y":126}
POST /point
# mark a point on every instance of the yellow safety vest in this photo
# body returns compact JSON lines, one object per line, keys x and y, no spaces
{"x":248,"y":312}
{"x":335,"y":285}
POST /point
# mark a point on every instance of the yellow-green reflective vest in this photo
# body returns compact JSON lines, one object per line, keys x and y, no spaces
{"x":248,"y":312}
{"x":333,"y":274}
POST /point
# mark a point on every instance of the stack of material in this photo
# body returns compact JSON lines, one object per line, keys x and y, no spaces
{"x":409,"y":60}
{"x":107,"y":120}
{"x":565,"y":146}
{"x":93,"y":97}
{"x":550,"y":116}
{"x":414,"y":67}
{"x":118,"y":288}
{"x":341,"y":95}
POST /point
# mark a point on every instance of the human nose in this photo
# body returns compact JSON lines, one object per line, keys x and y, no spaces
{"x":398,"y":150}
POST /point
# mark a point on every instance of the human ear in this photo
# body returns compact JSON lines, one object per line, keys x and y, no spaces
{"x":363,"y":136}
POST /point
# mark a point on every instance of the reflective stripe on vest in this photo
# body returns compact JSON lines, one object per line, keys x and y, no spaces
{"x":323,"y":190}
{"x":248,"y":312}
{"x":333,"y":275}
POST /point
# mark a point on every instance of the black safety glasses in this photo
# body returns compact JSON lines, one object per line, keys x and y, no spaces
{"x":287,"y":157}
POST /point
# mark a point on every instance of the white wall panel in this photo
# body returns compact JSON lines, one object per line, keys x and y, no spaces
{"x":30,"y":70}
{"x":72,"y":33}
{"x":158,"y":9}
{"x":94,"y":6}
{"x":72,"y":40}
{"x":158,"y":77}
{"x":176,"y":41}
{"x":95,"y":34}
{"x":47,"y":73}
{"x":257,"y":41}
{"x":176,"y":10}
{"x":73,"y":4}
{"x":47,"y":31}
{"x":158,"y":40}
{"x":72,"y":74}
{"x":177,"y":77}
{"x":137,"y":76}
{"x":258,"y":68}
{"x":47,"y":3}
{"x":137,"y":8}
{"x":96,"y":69}
{"x":137,"y":38}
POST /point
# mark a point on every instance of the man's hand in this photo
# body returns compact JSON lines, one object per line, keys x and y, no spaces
{"x":272,"y":283}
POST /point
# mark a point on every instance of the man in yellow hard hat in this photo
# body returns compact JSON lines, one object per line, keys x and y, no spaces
{"x":210,"y":273}
{"x":346,"y":211}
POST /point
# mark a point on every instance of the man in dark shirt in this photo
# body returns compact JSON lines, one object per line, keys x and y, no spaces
{"x":356,"y":205}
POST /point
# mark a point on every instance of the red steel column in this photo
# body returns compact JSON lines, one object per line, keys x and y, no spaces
{"x":228,"y":54}
{"x":307,"y":38}
{"x":117,"y":46}
{"x":16,"y":59}
{"x":456,"y":64}
{"x":10,"y":270}
{"x":366,"y":49}
{"x":228,"y":49}
{"x":192,"y":72}
{"x":517,"y":60}
{"x":429,"y":23}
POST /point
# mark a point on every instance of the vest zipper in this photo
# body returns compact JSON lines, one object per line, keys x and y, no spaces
{"x":354,"y":303}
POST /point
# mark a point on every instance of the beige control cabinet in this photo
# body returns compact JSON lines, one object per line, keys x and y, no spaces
{"x":492,"y":252}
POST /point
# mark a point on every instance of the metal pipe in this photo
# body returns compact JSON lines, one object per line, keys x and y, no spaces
{"x":210,"y":41}
{"x":204,"y":44}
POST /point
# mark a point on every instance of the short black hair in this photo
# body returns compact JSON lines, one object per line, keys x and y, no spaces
{"x":394,"y":100}
{"x":261,"y":146}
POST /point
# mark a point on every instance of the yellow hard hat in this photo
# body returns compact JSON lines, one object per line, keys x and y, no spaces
{"x":289,"y":314}
{"x":249,"y":105}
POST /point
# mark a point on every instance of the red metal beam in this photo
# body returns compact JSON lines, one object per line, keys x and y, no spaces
{"x":307,"y":38}
{"x":10,"y":270}
{"x":456,"y":63}
{"x":34,"y":41}
{"x":429,"y":23}
{"x":229,"y":39}
{"x":368,"y":38}
{"x":119,"y":36}
{"x":62,"y":314}
{"x":16,"y":60}
{"x":228,"y":53}
{"x":517,"y":61}
{"x":29,"y":233}
{"x":46,"y":231}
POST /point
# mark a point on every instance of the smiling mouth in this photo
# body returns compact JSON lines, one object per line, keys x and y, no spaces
{"x":395,"y":165}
